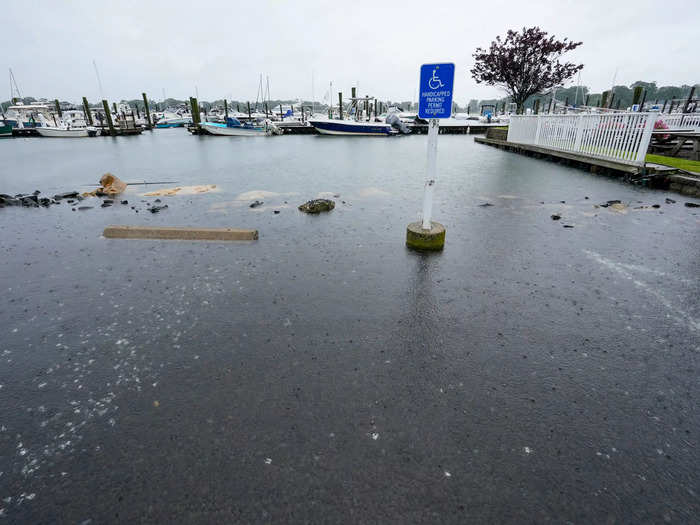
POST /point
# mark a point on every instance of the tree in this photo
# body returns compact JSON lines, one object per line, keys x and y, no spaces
{"x":524,"y":64}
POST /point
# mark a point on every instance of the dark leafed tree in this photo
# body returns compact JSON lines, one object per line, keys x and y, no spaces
{"x":524,"y":64}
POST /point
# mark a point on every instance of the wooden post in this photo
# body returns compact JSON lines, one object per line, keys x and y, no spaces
{"x":249,"y":115}
{"x":195,"y":111}
{"x":108,"y":116}
{"x":114,"y":107}
{"x":612,"y":98}
{"x":86,"y":109}
{"x":138,"y":113}
{"x":340,"y":105}
{"x":149,"y":123}
{"x":225,"y":109}
{"x":238,"y":107}
{"x":58,"y":108}
{"x":281,"y":114}
{"x":604,"y":99}
{"x":537,"y":106}
{"x":587,"y":97}
{"x":690,"y":97}
{"x":644,"y":99}
{"x":664,"y":108}
{"x":376,"y":108}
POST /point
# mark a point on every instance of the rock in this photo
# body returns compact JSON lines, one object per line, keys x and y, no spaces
{"x":317,"y":206}
{"x":156,"y":209}
{"x":124,"y":202}
{"x":563,"y":202}
{"x":656,"y":206}
{"x":256,"y":204}
{"x":83,"y":208}
{"x":30,"y":201}
{"x":670,"y":201}
{"x":45,"y":202}
{"x":586,"y":198}
{"x":610,"y":203}
{"x":556,"y":217}
{"x":157,"y":200}
{"x":9,"y":200}
{"x":568,"y":225}
{"x":486,"y":205}
{"x":100,"y":193}
{"x":109,"y":201}
{"x":70,"y":201}
{"x":106,"y":205}
{"x":66,"y":195}
{"x":276,"y":212}
{"x":692,"y":205}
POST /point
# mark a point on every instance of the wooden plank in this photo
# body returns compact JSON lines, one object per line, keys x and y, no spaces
{"x":185,"y":234}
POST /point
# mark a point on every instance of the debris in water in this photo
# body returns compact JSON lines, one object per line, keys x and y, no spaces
{"x":182,"y":190}
{"x":568,"y":225}
{"x":670,"y":201}
{"x":692,"y":205}
{"x":317,"y":206}
{"x":156,"y":209}
{"x":555,"y":217}
{"x":256,"y":204}
{"x":485,"y":204}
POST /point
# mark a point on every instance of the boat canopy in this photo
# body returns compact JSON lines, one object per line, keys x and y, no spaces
{"x":233,"y":122}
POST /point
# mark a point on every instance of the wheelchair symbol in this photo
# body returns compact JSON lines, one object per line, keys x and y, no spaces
{"x":434,"y":82}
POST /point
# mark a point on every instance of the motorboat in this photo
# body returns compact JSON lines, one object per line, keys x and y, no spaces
{"x":66,"y":128}
{"x":234,"y":128}
{"x":327,"y":126}
{"x":174,"y":120}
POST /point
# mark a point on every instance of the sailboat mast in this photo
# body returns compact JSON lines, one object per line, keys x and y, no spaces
{"x":99,"y":82}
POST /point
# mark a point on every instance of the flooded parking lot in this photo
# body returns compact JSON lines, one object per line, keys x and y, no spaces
{"x":530,"y":372}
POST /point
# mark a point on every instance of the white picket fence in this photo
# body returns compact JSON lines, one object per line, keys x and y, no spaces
{"x":619,"y":137}
{"x":682,"y":120}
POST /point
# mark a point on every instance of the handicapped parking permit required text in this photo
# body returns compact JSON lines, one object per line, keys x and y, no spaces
{"x":435,"y":101}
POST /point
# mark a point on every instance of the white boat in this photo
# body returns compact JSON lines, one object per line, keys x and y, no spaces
{"x":66,"y":128}
{"x":65,"y":132}
{"x":234,"y":128}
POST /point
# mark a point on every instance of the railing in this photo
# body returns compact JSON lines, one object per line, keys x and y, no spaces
{"x":619,"y":137}
{"x":682,"y":120}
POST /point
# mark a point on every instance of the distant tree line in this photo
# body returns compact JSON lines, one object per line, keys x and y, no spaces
{"x":623,"y":96}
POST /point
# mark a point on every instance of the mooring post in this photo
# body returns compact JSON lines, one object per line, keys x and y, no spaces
{"x":664,"y":108}
{"x":249,"y":115}
{"x":138,"y":113}
{"x":587,"y":97}
{"x":644,"y":99}
{"x":149,"y":123}
{"x":377,"y":108}
{"x":86,"y":110}
{"x":58,"y":108}
{"x":108,"y":116}
{"x":340,"y":105}
{"x":225,"y":109}
{"x":114,"y":107}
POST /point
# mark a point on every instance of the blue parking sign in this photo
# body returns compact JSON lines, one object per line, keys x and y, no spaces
{"x":436,"y":86}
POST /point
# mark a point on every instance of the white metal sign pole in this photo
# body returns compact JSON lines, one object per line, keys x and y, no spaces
{"x":433,"y":129}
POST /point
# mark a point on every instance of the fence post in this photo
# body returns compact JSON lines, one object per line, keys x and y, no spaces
{"x":579,"y":133}
{"x":646,"y":137}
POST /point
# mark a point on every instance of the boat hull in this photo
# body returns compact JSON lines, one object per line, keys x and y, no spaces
{"x":46,"y":131}
{"x":236,"y":131}
{"x":339,"y":127}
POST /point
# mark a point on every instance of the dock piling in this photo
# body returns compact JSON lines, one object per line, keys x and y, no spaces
{"x":58,"y":108}
{"x":340,"y":104}
{"x":86,"y":110}
{"x":689,"y":99}
{"x":108,"y":116}
{"x":149,"y":123}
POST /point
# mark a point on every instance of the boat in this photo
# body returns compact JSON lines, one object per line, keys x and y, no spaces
{"x":63,"y":132}
{"x":234,"y":128}
{"x":177,"y":119}
{"x":66,"y":128}
{"x":327,"y":126}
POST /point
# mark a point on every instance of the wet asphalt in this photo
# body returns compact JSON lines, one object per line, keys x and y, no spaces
{"x":530,"y":373}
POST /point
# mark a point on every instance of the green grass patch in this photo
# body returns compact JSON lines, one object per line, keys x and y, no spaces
{"x":683,"y":164}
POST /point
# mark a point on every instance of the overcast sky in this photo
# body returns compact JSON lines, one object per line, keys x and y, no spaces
{"x":222,"y":47}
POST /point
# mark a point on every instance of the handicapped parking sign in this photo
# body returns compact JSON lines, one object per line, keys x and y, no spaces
{"x":436,"y":87}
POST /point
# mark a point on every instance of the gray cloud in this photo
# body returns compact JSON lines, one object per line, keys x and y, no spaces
{"x":222,"y":47}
